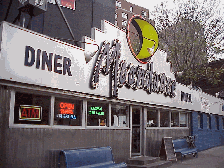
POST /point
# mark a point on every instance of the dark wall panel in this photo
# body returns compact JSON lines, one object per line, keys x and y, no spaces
{"x":88,"y":14}
{"x":103,"y":10}
{"x":4,"y":122}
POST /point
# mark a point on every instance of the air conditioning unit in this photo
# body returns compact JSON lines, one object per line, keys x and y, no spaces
{"x":33,"y":7}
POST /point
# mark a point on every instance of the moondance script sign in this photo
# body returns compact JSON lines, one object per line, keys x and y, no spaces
{"x":126,"y":74}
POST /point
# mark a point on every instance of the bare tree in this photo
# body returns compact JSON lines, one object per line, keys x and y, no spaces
{"x":191,"y":33}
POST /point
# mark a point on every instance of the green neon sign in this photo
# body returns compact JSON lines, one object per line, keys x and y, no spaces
{"x":96,"y":111}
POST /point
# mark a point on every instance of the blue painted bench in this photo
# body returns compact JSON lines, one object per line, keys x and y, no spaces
{"x":93,"y":157}
{"x":181,"y":146}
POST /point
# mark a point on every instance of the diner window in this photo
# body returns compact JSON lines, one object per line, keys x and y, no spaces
{"x":208,"y":121}
{"x":131,"y":9}
{"x":67,"y":112}
{"x":222,"y":123}
{"x":31,"y":109}
{"x":174,"y":119}
{"x":183,"y":119}
{"x":152,"y":118}
{"x":119,"y":115}
{"x":115,"y":15}
{"x":200,"y":120}
{"x":217,"y":122}
{"x":97,"y":114}
{"x":164,"y":119}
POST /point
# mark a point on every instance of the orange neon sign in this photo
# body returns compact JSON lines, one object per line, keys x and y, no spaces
{"x":66,"y":108}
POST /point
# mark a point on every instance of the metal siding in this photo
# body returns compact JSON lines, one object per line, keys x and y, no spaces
{"x":154,"y":138}
{"x":4,"y":115}
{"x":35,"y":147}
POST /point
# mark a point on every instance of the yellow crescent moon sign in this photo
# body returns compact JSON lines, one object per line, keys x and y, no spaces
{"x":142,"y":39}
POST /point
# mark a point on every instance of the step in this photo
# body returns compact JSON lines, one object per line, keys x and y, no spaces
{"x":142,"y":160}
{"x":159,"y":164}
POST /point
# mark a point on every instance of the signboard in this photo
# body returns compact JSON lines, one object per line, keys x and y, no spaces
{"x":167,"y":149}
{"x":111,"y":72}
{"x":30,"y":113}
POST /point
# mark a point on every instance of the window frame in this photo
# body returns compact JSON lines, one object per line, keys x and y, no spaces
{"x":51,"y":125}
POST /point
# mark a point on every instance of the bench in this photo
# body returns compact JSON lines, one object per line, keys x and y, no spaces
{"x":93,"y":157}
{"x":181,"y":146}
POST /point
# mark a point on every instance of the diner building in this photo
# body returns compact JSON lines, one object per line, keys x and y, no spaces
{"x":55,"y":95}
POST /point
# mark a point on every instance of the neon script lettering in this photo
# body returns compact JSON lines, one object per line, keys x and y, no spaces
{"x":123,"y":74}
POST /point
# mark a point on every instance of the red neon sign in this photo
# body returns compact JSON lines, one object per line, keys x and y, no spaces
{"x":68,"y":3}
{"x":30,"y":112}
{"x":66,"y":108}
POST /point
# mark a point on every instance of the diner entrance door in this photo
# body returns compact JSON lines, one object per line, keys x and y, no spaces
{"x":136,"y":131}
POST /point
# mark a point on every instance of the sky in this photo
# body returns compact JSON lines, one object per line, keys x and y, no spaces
{"x":149,"y":4}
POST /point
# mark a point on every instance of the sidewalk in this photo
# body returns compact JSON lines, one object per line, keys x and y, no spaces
{"x":210,"y":158}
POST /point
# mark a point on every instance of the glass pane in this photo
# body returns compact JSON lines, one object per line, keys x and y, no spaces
{"x":174,"y":119}
{"x":208,"y":121}
{"x":183,"y":119}
{"x":31,"y":109}
{"x":67,"y":112}
{"x":217,"y":122}
{"x":136,"y":116}
{"x":119,"y":115}
{"x":223,"y":123}
{"x":200,"y":121}
{"x":152,"y":118}
{"x":97,"y":114}
{"x":164,"y":119}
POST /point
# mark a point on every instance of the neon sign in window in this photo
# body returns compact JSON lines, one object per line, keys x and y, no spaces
{"x":30,"y":112}
{"x":69,"y":116}
{"x":68,"y":3}
{"x":66,"y":108}
{"x":96,"y":110}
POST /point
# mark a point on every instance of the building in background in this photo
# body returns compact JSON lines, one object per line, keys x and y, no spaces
{"x":125,"y":10}
{"x":72,"y":19}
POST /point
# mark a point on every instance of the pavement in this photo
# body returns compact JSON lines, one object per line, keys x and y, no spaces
{"x":210,"y":158}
